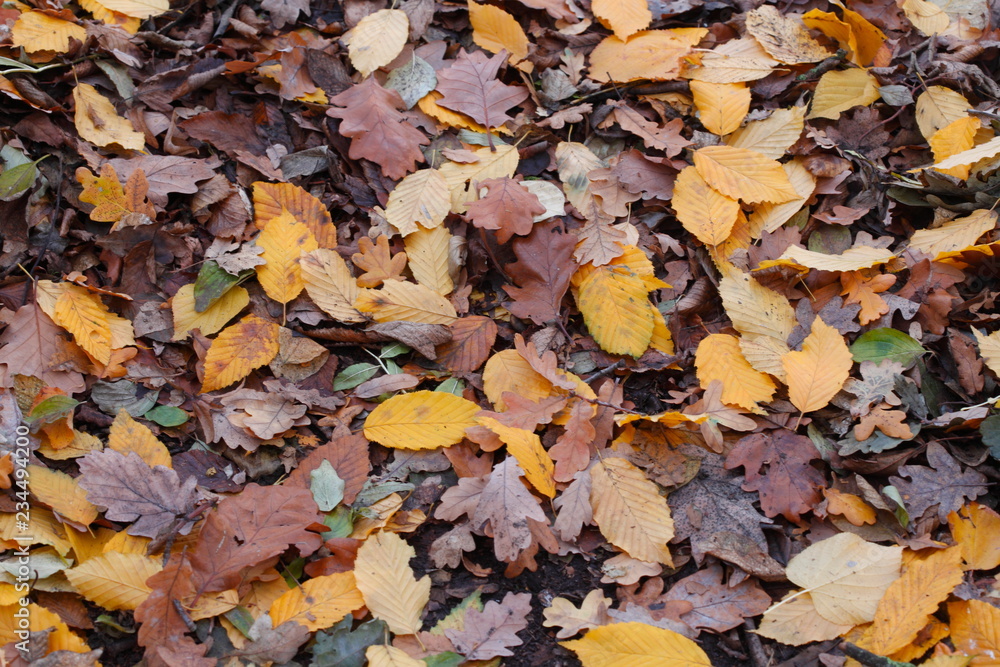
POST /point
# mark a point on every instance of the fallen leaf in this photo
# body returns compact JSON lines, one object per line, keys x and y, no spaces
{"x":390,"y":590}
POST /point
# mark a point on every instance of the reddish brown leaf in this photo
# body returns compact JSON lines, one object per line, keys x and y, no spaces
{"x":542,"y":272}
{"x":472,"y":339}
{"x":470,"y":86}
{"x":507,"y":208}
{"x":348,"y":456}
{"x":491,"y":632}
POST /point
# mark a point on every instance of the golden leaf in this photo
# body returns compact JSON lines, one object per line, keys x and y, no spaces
{"x":421,"y":199}
{"x":501,"y":163}
{"x":377,"y":262}
{"x":212,"y":319}
{"x":650,"y":54}
{"x":704,"y":211}
{"x":318,"y":603}
{"x":623,"y":17}
{"x":719,"y":358}
{"x":926,"y":17}
{"x":62,"y":493}
{"x":769,"y":217}
{"x":733,"y":61}
{"x":772,"y":136}
{"x":495,"y":30}
{"x":127,"y":435}
{"x":527,"y":448}
{"x":105,"y":15}
{"x":840,"y":90}
{"x":283,"y":239}
{"x":421,"y":420}
{"x":239,"y":349}
{"x":428,"y":251}
{"x":45,"y":529}
{"x":785,"y":39}
{"x":636,"y":645}
{"x":976,"y":528}
{"x":616,"y":310}
{"x":754,"y":309}
{"x":271,"y":199}
{"x":630,"y":511}
{"x":721,"y":106}
{"x":399,"y":301}
{"x":952,"y":139}
{"x":36,"y":31}
{"x":743,"y":174}
{"x":509,"y":371}
{"x":857,"y":35}
{"x":817,"y":373}
{"x":330,"y":284}
{"x":377,"y":39}
{"x":985,"y":151}
{"x":852,"y":259}
{"x":98,"y":122}
{"x":83,"y":315}
{"x":975,"y":630}
{"x":938,"y":107}
{"x":105,"y":192}
{"x":391,"y":592}
{"x":114,"y":580}
{"x":957,"y":234}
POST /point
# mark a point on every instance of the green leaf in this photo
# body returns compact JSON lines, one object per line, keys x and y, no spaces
{"x":452,"y":386}
{"x":15,"y":181}
{"x":990,"y":430}
{"x":326,"y":486}
{"x":879,"y":344}
{"x":353,"y":375}
{"x":393,"y":350}
{"x":339,"y":522}
{"x":241,"y":619}
{"x":341,"y":647}
{"x":446,"y":659}
{"x":211,"y":284}
{"x":167,"y":415}
{"x":51,"y":409}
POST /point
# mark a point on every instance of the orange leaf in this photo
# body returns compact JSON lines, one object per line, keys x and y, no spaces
{"x":239,"y":349}
{"x":817,"y":373}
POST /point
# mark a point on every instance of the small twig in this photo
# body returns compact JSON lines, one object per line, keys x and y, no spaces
{"x":869,"y":659}
{"x":604,"y":371}
{"x":754,"y":645}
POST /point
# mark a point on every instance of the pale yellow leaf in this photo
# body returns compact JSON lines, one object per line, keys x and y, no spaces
{"x":765,"y":353}
{"x":527,"y":448}
{"x":840,"y":90}
{"x":428,"y":253}
{"x":952,"y":139}
{"x":845,"y":575}
{"x":754,"y":309}
{"x":389,"y":656}
{"x":592,"y":613}
{"x":743,"y":174}
{"x":501,"y":163}
{"x":283,"y":239}
{"x":98,"y":122}
{"x":721,"y":106}
{"x":574,"y":162}
{"x":734,"y":61}
{"x":377,"y":39}
{"x":623,"y":17}
{"x":772,"y":136}
{"x":495,"y":30}
{"x":989,"y":348}
{"x":318,"y":603}
{"x":938,"y":107}
{"x":422,"y":198}
{"x":330,"y":284}
{"x":36,"y":31}
{"x":719,"y":358}
{"x":84,"y":316}
{"x":796,"y":622}
{"x":818,"y":372}
{"x":391,"y":592}
{"x":784,"y":38}
{"x":926,"y":17}
{"x":509,"y":371}
{"x":211,"y":320}
{"x":616,"y":310}
{"x":957,"y":234}
{"x":704,"y":211}
{"x":769,"y":217}
{"x":62,"y":493}
{"x":650,"y":54}
{"x":852,"y":259}
{"x":630,"y":511}
{"x":421,"y":420}
{"x":140,"y":9}
{"x":636,"y":645}
{"x":239,"y":349}
{"x":127,"y":435}
{"x":114,"y":580}
{"x":407,"y":302}
{"x":986,"y":151}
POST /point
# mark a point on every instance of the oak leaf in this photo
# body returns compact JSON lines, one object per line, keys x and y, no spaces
{"x":506,"y":504}
{"x":716,"y":605}
{"x":470,"y":87}
{"x":491,"y":632}
{"x":943,"y":485}
{"x":592,"y":613}
{"x":507,"y":207}
{"x":542,"y":273}
{"x":377,"y":262}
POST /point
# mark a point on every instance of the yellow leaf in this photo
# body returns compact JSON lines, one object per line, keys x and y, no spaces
{"x":817,"y":373}
{"x":957,"y":234}
{"x":743,"y":174}
{"x":105,"y":15}
{"x":428,"y":104}
{"x":938,"y":107}
{"x":45,"y":529}
{"x":377,"y":39}
{"x":796,"y":622}
{"x":90,"y":544}
{"x":271,"y":199}
{"x":616,"y":310}
{"x":495,"y":30}
{"x":501,"y":163}
{"x":84,"y":316}
{"x":140,"y":9}
{"x":975,"y":630}
{"x":986,"y":151}
{"x":989,"y":349}
{"x":330,"y":284}
{"x":391,"y":592}
{"x":380,"y":513}
{"x":772,"y":136}
{"x":399,"y":301}
{"x":239,"y":349}
{"x":721,"y":106}
{"x":283,"y":239}
{"x":733,"y":61}
{"x":428,"y":251}
{"x":527,"y":448}
{"x":630,"y":511}
{"x":318,"y":603}
{"x":98,"y":122}
{"x":785,"y":39}
{"x":926,"y":17}
{"x":213,"y":318}
{"x":509,"y":371}
{"x":852,"y":259}
{"x":40,"y":619}
{"x":952,"y":139}
{"x":636,"y":645}
{"x":860,"y":38}
{"x":124,"y":543}
{"x":127,"y":435}
{"x":422,"y":198}
{"x":976,"y":528}
{"x":754,"y":309}
{"x":421,"y":420}
{"x":390,"y":656}
{"x":623,"y":17}
{"x":62,"y":493}
{"x":770,"y":217}
{"x":903,"y":610}
{"x":650,"y":54}
{"x":114,"y":580}
{"x":662,"y":340}
{"x":37,"y":31}
{"x":840,"y":90}
{"x":704,"y":211}
{"x":105,"y":192}
{"x":845,"y":576}
{"x":719,"y":358}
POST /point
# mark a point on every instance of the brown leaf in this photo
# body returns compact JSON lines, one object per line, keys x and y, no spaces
{"x":472,"y":339}
{"x":491,"y":632}
{"x":470,"y":86}
{"x":277,"y":645}
{"x":507,"y":207}
{"x":507,"y":504}
{"x":348,"y":456}
{"x":890,"y":422}
{"x":715,"y":605}
{"x":377,"y":262}
{"x":542,"y":272}
{"x":420,"y":336}
{"x":944,"y":485}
